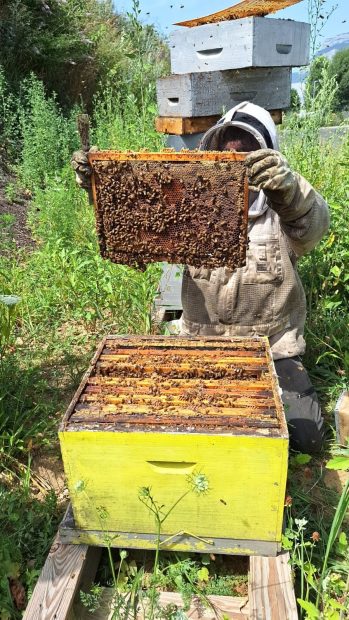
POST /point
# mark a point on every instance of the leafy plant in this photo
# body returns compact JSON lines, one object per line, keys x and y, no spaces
{"x":323,"y":593}
{"x":8,"y":305}
{"x":91,"y":599}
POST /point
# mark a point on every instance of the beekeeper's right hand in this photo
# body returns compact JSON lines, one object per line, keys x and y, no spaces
{"x":82,"y":168}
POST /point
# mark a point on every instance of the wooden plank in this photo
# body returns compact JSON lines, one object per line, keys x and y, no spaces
{"x":234,"y":608}
{"x":179,"y":126}
{"x":271,"y":593}
{"x":341,"y":414}
{"x":210,"y":93}
{"x":240,"y":44}
{"x":246,"y":8}
{"x":72,"y":534}
{"x":59,"y":581}
{"x":184,"y":126}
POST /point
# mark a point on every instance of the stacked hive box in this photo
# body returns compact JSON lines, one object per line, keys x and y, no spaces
{"x":177,"y":416}
{"x":218,"y":65}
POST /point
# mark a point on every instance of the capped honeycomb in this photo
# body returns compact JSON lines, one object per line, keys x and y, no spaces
{"x":246,"y":8}
{"x":188,"y":207}
{"x":172,"y":384}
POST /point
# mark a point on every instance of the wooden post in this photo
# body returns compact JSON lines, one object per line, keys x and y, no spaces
{"x":271,"y":593}
{"x":83,"y":123}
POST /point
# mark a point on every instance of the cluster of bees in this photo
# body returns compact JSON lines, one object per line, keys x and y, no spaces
{"x":160,"y":368}
{"x":180,"y":212}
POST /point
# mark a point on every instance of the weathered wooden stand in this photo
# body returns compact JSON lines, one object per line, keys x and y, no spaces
{"x":72,"y":568}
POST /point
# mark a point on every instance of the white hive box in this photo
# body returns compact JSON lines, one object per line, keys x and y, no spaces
{"x":239,"y":44}
{"x":209,"y":93}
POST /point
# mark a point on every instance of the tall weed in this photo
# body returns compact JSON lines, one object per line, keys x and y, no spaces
{"x":48,"y":137}
{"x":9,"y":127}
{"x":324,"y":272}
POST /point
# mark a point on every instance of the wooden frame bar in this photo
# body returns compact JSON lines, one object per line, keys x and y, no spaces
{"x":166,"y":155}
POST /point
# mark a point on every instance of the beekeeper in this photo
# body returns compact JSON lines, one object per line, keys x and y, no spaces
{"x":287,"y":217}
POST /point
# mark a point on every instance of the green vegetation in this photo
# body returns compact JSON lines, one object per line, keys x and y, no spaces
{"x":73,"y":46}
{"x":69,"y":296}
{"x":339,"y":67}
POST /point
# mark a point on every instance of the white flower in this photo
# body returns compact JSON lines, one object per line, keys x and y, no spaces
{"x":199,"y":483}
{"x":10,"y":300}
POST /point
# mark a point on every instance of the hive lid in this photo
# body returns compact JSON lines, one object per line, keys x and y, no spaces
{"x":246,"y":8}
{"x":171,"y":384}
{"x":187,"y":207}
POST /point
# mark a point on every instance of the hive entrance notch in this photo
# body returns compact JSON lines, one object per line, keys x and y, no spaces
{"x":188,"y":207}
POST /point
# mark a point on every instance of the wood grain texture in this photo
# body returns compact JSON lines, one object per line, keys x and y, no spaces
{"x":234,"y":608}
{"x":341,"y":413}
{"x":59,"y":580}
{"x":184,"y":126}
{"x":240,"y":44}
{"x":271,"y":593}
{"x":178,"y":126}
{"x":210,"y":93}
{"x":167,"y":155}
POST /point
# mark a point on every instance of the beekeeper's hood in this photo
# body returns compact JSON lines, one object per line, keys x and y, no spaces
{"x":256,"y":121}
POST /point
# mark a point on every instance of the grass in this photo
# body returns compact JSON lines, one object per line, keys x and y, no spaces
{"x":70,"y":297}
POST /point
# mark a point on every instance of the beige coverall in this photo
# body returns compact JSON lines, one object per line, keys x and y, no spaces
{"x":266,"y":297}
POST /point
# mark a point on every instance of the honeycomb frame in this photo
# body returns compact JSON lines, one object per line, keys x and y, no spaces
{"x":188,"y":207}
{"x":246,"y":8}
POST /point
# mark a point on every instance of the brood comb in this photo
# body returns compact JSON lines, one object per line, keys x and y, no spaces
{"x":187,"y":207}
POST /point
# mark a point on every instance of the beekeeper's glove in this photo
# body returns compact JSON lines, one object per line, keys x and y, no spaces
{"x":269,"y":171}
{"x":82,"y":168}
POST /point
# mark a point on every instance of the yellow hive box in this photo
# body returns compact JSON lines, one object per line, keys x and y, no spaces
{"x":155,"y":412}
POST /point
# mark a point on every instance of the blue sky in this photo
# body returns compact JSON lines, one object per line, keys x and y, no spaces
{"x":163,"y":16}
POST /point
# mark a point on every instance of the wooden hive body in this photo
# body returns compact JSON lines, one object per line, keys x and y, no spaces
{"x":154,"y":412}
{"x":240,"y":44}
{"x":208,"y":94}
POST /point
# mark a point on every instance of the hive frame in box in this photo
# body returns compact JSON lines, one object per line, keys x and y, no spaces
{"x":149,"y":237}
{"x":183,"y":540}
{"x":246,"y":8}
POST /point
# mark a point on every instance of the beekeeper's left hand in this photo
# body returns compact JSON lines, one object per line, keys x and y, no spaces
{"x":269,"y":171}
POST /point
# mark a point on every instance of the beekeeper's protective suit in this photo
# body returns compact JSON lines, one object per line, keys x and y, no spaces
{"x":287,"y":217}
{"x":286,"y":220}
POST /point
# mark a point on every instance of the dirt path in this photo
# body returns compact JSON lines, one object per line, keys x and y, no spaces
{"x":17,"y":230}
